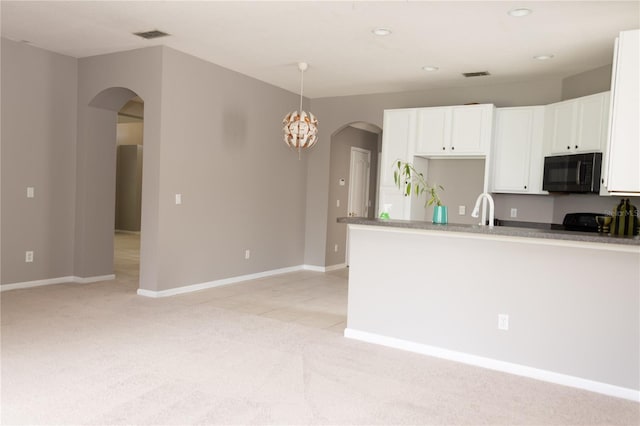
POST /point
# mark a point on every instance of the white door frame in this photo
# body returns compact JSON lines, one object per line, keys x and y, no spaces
{"x":357,"y":151}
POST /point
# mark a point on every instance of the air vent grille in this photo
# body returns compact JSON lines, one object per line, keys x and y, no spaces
{"x":476,"y":74}
{"x":151,"y":34}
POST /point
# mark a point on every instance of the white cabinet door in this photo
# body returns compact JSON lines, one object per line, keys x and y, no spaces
{"x":454,"y":131}
{"x":517,"y":150}
{"x":471,"y":129}
{"x":592,"y":122}
{"x":434,"y":130}
{"x":398,"y":135}
{"x":578,"y":125}
{"x":561,"y":119}
{"x":623,"y":171}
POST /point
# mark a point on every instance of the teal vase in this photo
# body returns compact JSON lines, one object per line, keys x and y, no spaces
{"x":440,"y":214}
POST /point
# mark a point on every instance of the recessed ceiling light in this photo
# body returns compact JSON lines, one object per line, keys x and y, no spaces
{"x":430,"y":69}
{"x":381,"y":31}
{"x":521,"y":11}
{"x":543,"y":57}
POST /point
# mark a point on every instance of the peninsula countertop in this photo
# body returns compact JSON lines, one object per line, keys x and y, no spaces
{"x":508,"y":231}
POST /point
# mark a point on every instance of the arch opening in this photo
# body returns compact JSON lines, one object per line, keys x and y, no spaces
{"x":348,"y":154}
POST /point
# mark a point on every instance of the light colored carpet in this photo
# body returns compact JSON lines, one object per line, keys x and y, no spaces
{"x":99,"y":354}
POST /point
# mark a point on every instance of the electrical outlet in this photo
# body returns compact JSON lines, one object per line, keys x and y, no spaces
{"x":503,"y":322}
{"x":30,"y":192}
{"x":178,"y":198}
{"x":28,"y":256}
{"x":335,"y":248}
{"x":462,"y":210}
{"x":247,"y":254}
{"x":337,"y":203}
{"x":514,"y":212}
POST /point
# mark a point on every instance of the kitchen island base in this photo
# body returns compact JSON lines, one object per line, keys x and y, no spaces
{"x":572,"y":307}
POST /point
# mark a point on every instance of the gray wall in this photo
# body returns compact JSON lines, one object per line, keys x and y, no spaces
{"x":334,"y":113}
{"x":462,"y":181}
{"x":242,"y":188}
{"x":128,"y":188}
{"x":39,"y":101}
{"x":211,"y":134}
{"x":100,"y":97}
{"x":341,"y":144}
{"x":587,"y":83}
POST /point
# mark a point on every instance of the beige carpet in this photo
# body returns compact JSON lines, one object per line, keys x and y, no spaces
{"x":100,"y":354}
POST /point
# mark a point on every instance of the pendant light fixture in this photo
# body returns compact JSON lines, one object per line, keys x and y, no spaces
{"x":300,"y":129}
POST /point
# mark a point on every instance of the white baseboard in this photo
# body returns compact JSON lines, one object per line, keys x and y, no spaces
{"x":86,"y":280}
{"x":313,"y":268}
{"x":216,"y":283}
{"x":60,"y":280}
{"x":335,"y":267}
{"x":324,"y":268}
{"x":494,"y":364}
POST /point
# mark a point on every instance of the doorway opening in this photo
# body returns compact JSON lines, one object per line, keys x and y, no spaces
{"x":353,"y":183}
{"x":128,"y":196}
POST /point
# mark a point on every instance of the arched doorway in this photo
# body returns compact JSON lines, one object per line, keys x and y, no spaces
{"x":350,"y":142}
{"x":115,"y":130}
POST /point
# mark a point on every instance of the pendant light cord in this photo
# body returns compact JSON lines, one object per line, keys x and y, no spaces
{"x":301,"y":87}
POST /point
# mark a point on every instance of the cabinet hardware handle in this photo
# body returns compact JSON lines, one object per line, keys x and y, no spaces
{"x":525,"y":187}
{"x":576,"y":146}
{"x":452,"y":148}
{"x":443,"y":148}
{"x":568,"y":147}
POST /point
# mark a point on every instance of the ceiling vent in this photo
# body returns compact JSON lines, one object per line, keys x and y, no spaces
{"x":476,"y":74}
{"x":151,"y":34}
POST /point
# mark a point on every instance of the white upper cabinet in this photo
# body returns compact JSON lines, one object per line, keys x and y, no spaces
{"x":434,"y":128}
{"x":622,"y":158}
{"x":578,"y":125}
{"x":397,"y":141}
{"x":454,"y":131}
{"x":517,"y":152}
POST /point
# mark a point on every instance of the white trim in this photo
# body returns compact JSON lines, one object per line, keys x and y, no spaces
{"x":124,"y":231}
{"x":61,"y":280}
{"x":86,"y":280}
{"x":494,"y":364}
{"x":335,"y":267}
{"x":314,"y":268}
{"x":216,"y":283}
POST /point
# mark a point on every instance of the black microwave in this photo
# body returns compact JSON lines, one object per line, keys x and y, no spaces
{"x":572,"y":173}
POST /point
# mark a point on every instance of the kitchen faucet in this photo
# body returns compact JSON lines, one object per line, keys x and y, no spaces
{"x":476,"y":210}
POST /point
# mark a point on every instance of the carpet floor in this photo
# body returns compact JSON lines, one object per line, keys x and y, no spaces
{"x":98,"y":354}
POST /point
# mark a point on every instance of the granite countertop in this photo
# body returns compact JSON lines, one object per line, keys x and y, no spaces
{"x":510,"y":231}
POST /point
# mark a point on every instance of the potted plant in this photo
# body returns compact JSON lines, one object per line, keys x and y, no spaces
{"x":410,"y":181}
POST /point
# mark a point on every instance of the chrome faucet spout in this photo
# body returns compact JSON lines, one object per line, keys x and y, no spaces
{"x":484,"y":197}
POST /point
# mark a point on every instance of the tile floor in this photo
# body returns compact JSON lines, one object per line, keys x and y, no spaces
{"x":312,"y":299}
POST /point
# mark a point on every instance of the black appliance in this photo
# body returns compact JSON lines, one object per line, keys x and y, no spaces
{"x":572,"y":173}
{"x":585,"y":222}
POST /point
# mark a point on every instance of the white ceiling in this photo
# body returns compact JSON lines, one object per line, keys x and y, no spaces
{"x":265,"y":39}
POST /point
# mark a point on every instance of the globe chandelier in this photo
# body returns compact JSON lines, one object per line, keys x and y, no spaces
{"x":300,"y":129}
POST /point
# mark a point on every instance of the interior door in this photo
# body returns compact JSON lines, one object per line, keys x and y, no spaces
{"x":359,"y":172}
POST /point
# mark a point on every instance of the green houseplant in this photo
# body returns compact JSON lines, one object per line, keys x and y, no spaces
{"x":410,"y":181}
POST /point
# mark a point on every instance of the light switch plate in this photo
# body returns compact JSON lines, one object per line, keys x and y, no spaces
{"x":462,"y":210}
{"x":178,"y":198}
